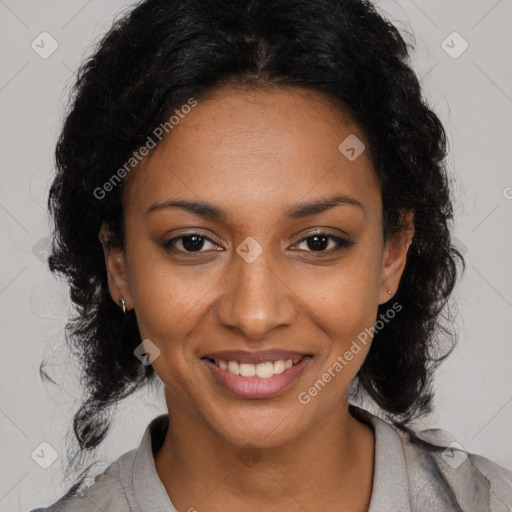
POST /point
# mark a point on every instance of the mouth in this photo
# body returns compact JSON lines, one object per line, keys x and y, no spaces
{"x":256,"y":375}
{"x":264,"y":369}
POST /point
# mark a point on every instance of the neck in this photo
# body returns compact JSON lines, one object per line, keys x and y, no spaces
{"x":329,"y":467}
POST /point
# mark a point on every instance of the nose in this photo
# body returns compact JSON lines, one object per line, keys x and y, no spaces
{"x":256,"y":299}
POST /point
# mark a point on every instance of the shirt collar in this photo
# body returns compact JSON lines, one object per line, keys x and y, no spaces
{"x":390,"y":489}
{"x":149,"y":490}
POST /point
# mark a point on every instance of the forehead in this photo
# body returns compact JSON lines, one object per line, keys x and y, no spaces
{"x":249,"y":147}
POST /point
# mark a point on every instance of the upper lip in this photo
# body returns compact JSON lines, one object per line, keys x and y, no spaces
{"x":243,"y":356}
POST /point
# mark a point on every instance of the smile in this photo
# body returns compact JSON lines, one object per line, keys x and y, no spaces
{"x":264,"y":379}
{"x":263,"y":370}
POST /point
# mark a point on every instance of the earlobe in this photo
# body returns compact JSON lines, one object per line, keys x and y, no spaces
{"x":395,"y":258}
{"x":115,"y":263}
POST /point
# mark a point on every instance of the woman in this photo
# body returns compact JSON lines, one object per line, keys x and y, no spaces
{"x":251,"y":205}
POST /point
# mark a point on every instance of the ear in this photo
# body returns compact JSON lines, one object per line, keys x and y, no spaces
{"x":118,"y":282}
{"x":394,"y":257}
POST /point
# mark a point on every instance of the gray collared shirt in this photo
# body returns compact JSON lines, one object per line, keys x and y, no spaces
{"x":411,"y":475}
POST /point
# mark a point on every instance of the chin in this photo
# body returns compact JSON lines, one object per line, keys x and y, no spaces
{"x":269,"y":429}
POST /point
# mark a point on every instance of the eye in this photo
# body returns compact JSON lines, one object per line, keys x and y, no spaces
{"x":324,"y":243}
{"x":190,"y":243}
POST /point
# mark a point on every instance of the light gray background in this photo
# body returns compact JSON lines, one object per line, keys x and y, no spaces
{"x":471,"y":93}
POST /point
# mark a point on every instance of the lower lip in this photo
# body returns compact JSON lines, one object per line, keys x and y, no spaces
{"x":256,"y":387}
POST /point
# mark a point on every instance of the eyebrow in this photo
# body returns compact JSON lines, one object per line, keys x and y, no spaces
{"x":297,"y":211}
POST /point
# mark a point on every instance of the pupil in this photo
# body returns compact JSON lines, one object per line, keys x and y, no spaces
{"x":193,"y":242}
{"x":317,"y":242}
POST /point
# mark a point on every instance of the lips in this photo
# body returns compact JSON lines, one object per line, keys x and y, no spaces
{"x":249,"y":375}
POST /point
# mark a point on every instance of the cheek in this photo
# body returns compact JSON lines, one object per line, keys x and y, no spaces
{"x":165,"y":296}
{"x":344,"y":305}
{"x":344,"y":299}
{"x":167,"y":308}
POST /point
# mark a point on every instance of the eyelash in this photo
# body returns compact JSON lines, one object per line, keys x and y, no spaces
{"x":342,"y":243}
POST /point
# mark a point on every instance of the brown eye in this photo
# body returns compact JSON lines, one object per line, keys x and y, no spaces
{"x":324,"y":243}
{"x":318,"y":242}
{"x":189,"y":243}
{"x":192,"y":242}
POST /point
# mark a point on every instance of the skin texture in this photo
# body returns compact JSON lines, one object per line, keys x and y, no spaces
{"x":255,"y":154}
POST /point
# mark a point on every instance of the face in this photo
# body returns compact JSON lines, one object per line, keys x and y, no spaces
{"x":252,"y":238}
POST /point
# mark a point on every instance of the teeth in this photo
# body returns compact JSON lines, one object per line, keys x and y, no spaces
{"x":279,"y":366}
{"x":233,"y":367}
{"x":263,"y":370}
{"x":247,"y":370}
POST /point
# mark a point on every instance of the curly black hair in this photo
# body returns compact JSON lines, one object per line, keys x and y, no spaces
{"x":162,"y":53}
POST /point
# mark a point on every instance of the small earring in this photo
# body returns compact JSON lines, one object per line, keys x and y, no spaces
{"x":122,"y":304}
{"x":389,"y":293}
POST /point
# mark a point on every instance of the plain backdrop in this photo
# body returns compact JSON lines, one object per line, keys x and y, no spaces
{"x":470,"y":89}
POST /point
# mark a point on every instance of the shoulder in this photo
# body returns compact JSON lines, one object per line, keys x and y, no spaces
{"x":129,"y":481}
{"x":106,"y":492}
{"x":428,"y":470}
{"x":441,"y":471}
